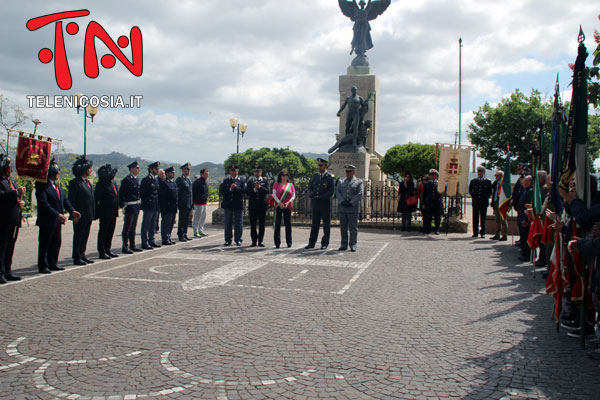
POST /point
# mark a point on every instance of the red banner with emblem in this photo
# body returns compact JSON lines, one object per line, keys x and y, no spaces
{"x":33,"y":157}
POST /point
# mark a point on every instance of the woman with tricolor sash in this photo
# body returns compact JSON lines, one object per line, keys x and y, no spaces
{"x":283,"y":195}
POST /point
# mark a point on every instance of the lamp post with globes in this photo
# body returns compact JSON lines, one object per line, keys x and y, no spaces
{"x":233,"y":122}
{"x":92,"y":111}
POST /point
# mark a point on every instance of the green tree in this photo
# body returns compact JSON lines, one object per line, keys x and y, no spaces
{"x":514,"y":124}
{"x":415,"y":158}
{"x":272,"y":161}
{"x":594,"y":74}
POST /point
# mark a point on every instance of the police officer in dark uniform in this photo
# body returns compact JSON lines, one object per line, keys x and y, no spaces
{"x":257,"y":190}
{"x":232,"y":193}
{"x":129,"y":200}
{"x":107,"y":209}
{"x":11,"y":204}
{"x":52,"y":202}
{"x":480,"y":190}
{"x":149,"y":197}
{"x":320,"y":190}
{"x":81,"y":196}
{"x":167,"y":198}
{"x":432,"y":203}
{"x":184,"y":199}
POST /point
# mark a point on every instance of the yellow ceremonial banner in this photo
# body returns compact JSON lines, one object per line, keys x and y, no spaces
{"x":454,"y":169}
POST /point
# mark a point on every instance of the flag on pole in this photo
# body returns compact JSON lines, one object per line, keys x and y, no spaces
{"x":505,"y":191}
{"x":33,"y":157}
{"x":559,"y":136}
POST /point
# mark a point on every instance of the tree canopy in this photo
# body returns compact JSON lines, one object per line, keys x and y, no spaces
{"x":272,"y":161}
{"x":513,"y":123}
{"x":415,"y":158}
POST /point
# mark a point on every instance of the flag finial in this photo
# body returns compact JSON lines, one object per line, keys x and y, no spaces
{"x":581,"y":37}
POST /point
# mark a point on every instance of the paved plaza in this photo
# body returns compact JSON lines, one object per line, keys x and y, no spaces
{"x":406,"y":317}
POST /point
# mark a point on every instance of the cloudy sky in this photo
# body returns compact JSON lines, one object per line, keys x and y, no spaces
{"x":274,"y":64}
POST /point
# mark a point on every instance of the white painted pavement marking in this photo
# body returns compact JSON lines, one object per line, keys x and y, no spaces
{"x":222,"y":275}
{"x":94,"y":274}
{"x":360,"y":271}
{"x":298,"y":275}
{"x":155,"y":270}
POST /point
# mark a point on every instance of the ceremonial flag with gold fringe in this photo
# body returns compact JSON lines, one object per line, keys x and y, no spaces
{"x":33,"y":157}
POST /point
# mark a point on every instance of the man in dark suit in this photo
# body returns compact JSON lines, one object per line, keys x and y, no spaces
{"x":52,"y":202}
{"x":257,"y":190}
{"x":432,"y":203}
{"x":129,"y":200}
{"x":167,"y":198}
{"x":81,"y":196}
{"x":480,"y":190}
{"x":11,"y":204}
{"x":107,"y":209}
{"x":184,"y":199}
{"x":149,"y":197}
{"x":232,"y":192}
{"x":320,"y":191}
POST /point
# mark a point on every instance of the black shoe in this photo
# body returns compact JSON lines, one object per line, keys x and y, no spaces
{"x":309,"y":246}
{"x":44,"y":270}
{"x":570,"y":325}
{"x":11,"y":277}
{"x":540,"y":264}
{"x":167,"y":243}
{"x":227,"y":244}
{"x":503,"y":239}
{"x":76,"y":262}
{"x":125,"y":250}
{"x":104,"y":256}
{"x":135,"y":249}
{"x":289,"y":245}
{"x":276,"y":246}
{"x":261,"y":245}
{"x":342,"y":248}
{"x":474,"y":235}
{"x":155,"y":245}
{"x":238,"y":242}
{"x":111,"y":254}
{"x":483,"y":235}
{"x":587,"y":331}
{"x":186,"y":237}
{"x":324,"y":246}
{"x":147,"y":247}
{"x":253,"y":245}
{"x":495,"y":237}
{"x":84,"y":258}
{"x":57,"y":268}
{"x":518,"y":243}
{"x":524,"y":258}
{"x":181,"y":239}
{"x":353,"y":248}
{"x":2,"y":280}
{"x":437,"y":232}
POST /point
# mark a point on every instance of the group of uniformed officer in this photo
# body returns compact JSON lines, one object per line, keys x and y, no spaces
{"x":321,"y":191}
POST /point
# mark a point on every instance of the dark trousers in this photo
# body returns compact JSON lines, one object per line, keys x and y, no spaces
{"x":129,"y":225}
{"x":81,"y":234}
{"x":149,"y":226}
{"x":8,"y":238}
{"x":105,"y":233}
{"x":184,"y":221}
{"x":286,"y":214}
{"x":257,"y":217}
{"x":49,"y":242}
{"x":166,"y":226}
{"x":430,"y":213}
{"x":479,"y":215}
{"x":406,"y":219}
{"x":320,"y":212}
{"x":234,"y":225}
{"x":523,"y":234}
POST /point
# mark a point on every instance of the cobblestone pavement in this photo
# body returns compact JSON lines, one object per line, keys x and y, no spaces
{"x":406,"y":317}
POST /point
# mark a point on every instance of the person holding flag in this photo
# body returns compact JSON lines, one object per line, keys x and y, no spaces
{"x":500,"y":199}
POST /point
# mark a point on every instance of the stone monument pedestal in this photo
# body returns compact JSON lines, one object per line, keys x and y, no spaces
{"x":339,"y":160}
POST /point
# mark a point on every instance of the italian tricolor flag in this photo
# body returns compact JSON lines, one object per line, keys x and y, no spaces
{"x":505,"y":191}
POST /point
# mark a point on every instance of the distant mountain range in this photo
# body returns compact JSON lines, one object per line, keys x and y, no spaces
{"x":120,"y":161}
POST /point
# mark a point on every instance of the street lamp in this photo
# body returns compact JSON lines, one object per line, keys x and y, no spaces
{"x":233,"y":122}
{"x":92,"y":111}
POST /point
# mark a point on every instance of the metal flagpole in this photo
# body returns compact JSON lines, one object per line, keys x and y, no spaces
{"x":460,"y":46}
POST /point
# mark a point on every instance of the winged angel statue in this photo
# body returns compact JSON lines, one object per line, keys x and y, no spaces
{"x":361,"y":15}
